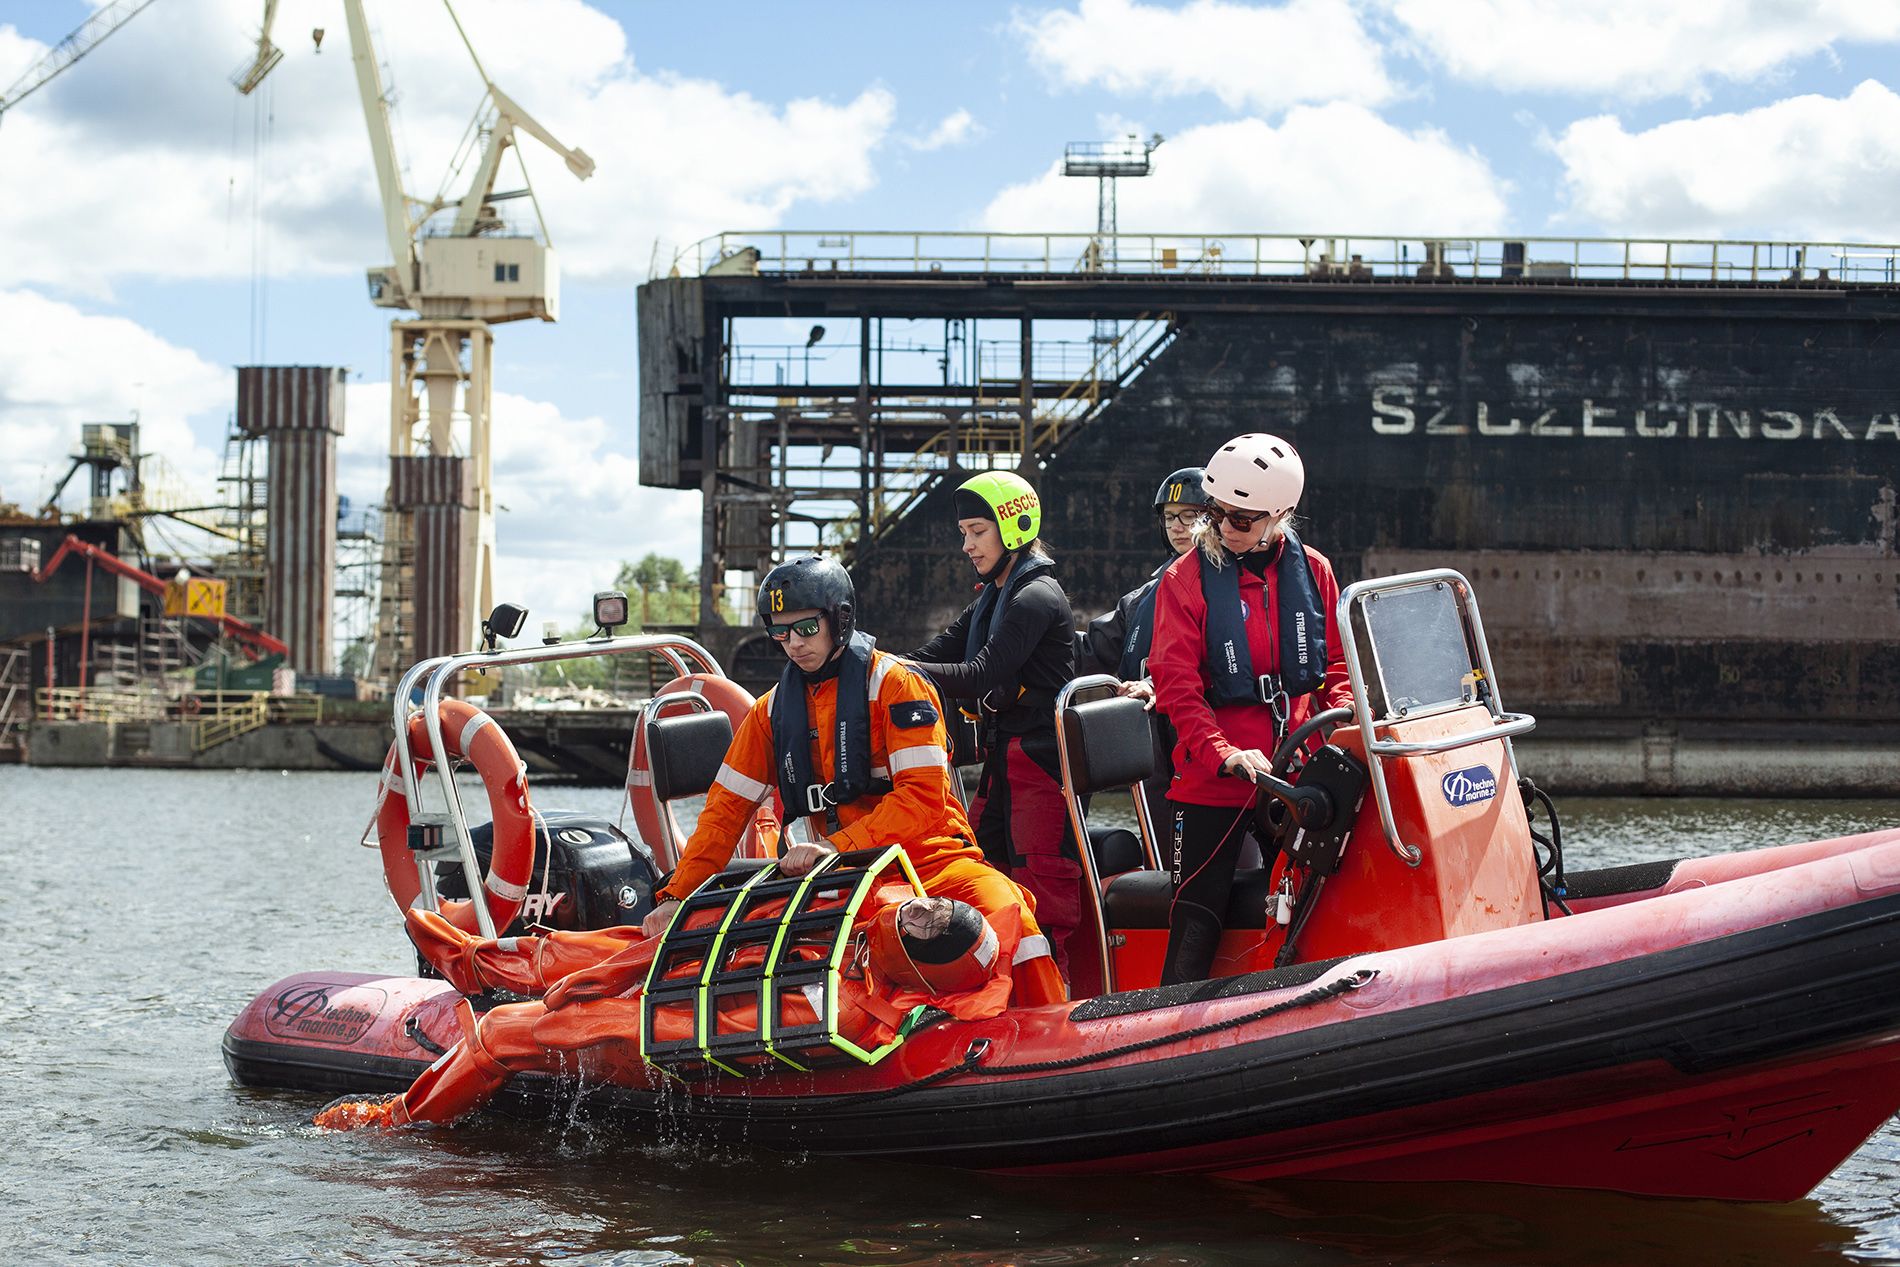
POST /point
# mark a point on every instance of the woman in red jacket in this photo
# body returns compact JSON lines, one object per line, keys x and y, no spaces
{"x":1244,"y":648}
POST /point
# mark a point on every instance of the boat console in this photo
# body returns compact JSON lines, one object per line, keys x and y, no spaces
{"x":1405,"y":826}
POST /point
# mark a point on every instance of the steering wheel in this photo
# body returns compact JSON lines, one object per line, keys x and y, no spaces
{"x":1288,"y":760}
{"x":1290,"y":757}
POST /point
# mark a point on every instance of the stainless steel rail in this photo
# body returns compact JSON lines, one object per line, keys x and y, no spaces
{"x":673,"y":648}
{"x":1504,"y":725}
{"x":1091,"y":877}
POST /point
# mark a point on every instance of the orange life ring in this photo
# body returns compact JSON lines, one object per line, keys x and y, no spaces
{"x":466,"y":732}
{"x":761,"y":837}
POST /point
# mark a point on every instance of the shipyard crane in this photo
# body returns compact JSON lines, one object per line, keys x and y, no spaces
{"x":460,"y":273}
{"x":106,"y":19}
{"x":255,"y":641}
{"x":248,"y":76}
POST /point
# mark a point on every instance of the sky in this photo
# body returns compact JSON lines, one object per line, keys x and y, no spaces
{"x":157,"y":229}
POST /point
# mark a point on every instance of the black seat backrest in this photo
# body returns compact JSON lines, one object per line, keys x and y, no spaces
{"x":686,"y":751}
{"x":1141,"y":899}
{"x":1116,"y":850}
{"x":1110,"y":745}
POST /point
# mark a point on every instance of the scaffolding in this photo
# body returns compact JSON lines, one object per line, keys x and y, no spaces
{"x":821,"y":458}
{"x":359,"y":579}
{"x":243,"y":518}
{"x":15,"y":701}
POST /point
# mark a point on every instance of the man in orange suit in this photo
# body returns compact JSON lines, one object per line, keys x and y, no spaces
{"x":854,"y":742}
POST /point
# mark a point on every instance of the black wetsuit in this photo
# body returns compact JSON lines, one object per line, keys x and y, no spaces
{"x":1023,"y":658}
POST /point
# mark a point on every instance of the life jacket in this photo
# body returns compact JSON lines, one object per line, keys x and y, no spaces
{"x":1140,"y":636}
{"x":985,"y":620}
{"x":1300,"y":621}
{"x":798,"y":786}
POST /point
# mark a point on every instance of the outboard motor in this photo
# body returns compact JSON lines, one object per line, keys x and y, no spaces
{"x":587,"y":874}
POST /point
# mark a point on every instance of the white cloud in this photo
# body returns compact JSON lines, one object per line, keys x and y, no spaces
{"x":575,"y":505}
{"x":1633,"y":48}
{"x":1806,"y":167}
{"x":1338,"y":166}
{"x":955,"y":128}
{"x":61,"y":367}
{"x":142,"y":157}
{"x":1250,"y":57}
{"x":575,"y":509}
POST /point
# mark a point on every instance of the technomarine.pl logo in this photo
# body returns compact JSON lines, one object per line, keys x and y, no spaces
{"x":1470,"y":785}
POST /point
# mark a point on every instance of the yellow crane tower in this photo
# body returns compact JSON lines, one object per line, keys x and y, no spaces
{"x":461,"y":266}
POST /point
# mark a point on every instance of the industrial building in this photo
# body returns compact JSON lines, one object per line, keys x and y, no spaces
{"x":1669,"y":467}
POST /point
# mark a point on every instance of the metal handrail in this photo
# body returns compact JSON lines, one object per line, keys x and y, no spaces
{"x":1349,"y":257}
{"x":673,"y":647}
{"x":1507,"y":725}
{"x":1504,"y":725}
{"x":695,"y":702}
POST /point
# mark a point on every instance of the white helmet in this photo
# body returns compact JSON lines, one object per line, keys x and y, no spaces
{"x":1256,"y":472}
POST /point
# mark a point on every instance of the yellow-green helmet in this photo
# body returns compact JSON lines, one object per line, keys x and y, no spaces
{"x":1007,"y":498}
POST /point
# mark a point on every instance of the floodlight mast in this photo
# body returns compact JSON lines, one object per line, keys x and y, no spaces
{"x":1107,"y":162}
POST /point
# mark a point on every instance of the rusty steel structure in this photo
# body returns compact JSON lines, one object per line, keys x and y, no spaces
{"x":1670,"y":466}
{"x":298,"y":411}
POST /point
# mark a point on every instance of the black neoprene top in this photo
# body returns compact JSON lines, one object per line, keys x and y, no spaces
{"x":1029,"y":656}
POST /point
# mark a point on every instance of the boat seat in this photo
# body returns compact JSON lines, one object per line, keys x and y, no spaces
{"x":1110,"y":744}
{"x":1116,"y":850}
{"x":686,"y":751}
{"x":1140,"y":899}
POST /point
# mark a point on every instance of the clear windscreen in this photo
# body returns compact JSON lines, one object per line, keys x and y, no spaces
{"x":1414,"y":652}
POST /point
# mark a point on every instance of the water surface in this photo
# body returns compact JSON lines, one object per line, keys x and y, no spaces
{"x":145,"y":908}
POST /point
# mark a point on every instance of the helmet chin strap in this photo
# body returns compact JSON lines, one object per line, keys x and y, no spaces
{"x":1267,"y":539}
{"x":990,"y":576}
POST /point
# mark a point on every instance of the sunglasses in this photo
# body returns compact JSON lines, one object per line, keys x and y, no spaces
{"x":806,"y":628}
{"x":1240,"y":520}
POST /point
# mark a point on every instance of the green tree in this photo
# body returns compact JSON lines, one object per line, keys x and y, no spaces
{"x":660,"y":591}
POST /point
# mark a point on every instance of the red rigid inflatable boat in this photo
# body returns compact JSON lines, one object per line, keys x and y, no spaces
{"x":1717,"y":1027}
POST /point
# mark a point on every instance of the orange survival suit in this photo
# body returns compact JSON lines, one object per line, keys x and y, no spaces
{"x":590,"y":1020}
{"x":920,"y":811}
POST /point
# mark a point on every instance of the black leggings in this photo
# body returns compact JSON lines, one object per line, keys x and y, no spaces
{"x":1206,"y":852}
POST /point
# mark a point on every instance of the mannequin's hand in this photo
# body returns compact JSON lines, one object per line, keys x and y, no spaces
{"x":802,"y":858}
{"x":659,"y":917}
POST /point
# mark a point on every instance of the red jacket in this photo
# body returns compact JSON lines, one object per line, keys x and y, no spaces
{"x":1208,"y":735}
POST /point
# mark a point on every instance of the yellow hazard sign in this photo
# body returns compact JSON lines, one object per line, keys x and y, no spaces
{"x":198,"y":596}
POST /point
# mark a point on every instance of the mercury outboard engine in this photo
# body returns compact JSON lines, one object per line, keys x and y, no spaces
{"x":587,"y":874}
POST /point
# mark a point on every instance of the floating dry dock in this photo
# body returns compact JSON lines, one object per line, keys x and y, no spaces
{"x":1670,"y":468}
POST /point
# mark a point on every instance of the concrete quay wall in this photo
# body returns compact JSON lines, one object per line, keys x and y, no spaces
{"x":1565,"y":758}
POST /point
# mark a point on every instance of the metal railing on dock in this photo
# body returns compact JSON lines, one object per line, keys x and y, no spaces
{"x":215,"y":716}
{"x":1286,"y":256}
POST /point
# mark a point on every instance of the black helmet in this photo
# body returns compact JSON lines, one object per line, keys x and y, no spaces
{"x":810,"y":580}
{"x":1184,"y":486}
